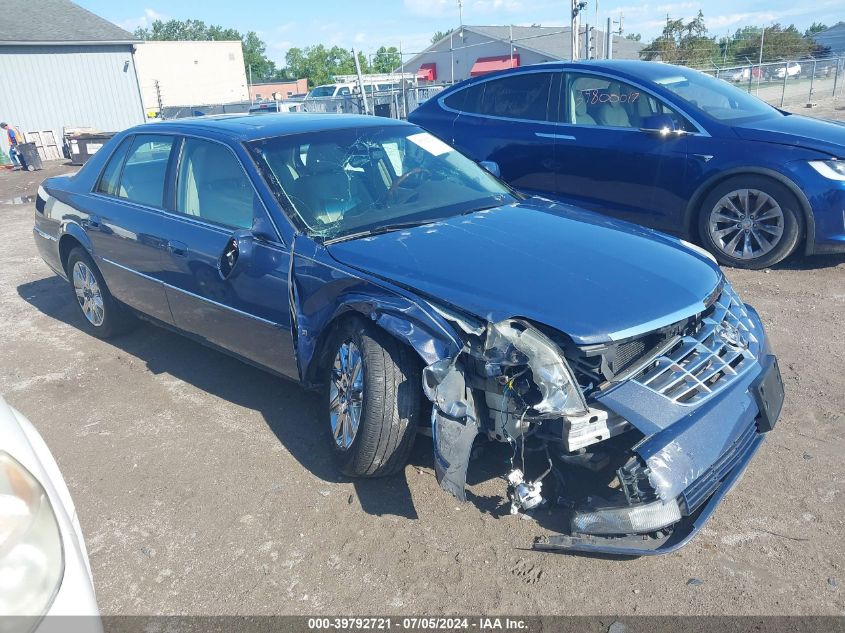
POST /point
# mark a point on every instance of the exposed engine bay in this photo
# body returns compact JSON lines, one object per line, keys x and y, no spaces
{"x":515,"y":382}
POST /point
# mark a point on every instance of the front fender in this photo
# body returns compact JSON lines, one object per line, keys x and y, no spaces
{"x":322,"y":293}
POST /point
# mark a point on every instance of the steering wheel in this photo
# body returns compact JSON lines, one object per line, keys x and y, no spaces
{"x":419,"y":172}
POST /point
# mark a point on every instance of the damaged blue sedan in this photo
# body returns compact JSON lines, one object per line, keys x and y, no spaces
{"x":367,"y":259}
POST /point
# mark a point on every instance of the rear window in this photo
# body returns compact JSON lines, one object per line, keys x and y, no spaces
{"x":322,"y":91}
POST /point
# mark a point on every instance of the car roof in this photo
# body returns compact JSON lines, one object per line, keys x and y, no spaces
{"x":245,"y":128}
{"x":643,"y":70}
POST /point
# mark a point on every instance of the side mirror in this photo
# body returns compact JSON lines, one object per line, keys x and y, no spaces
{"x":492,"y":167}
{"x":236,"y":255}
{"x":661,"y":125}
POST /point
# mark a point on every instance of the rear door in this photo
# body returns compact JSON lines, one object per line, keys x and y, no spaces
{"x":607,"y":163}
{"x":125,"y":230}
{"x":249,"y":314}
{"x":509,"y":120}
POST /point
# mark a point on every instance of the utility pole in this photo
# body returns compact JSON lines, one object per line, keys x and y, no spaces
{"x":577,"y":7}
{"x":510,"y":42}
{"x":461,"y":17}
{"x":760,"y":61}
{"x":158,"y":98}
{"x":608,"y":45}
{"x":361,"y":82}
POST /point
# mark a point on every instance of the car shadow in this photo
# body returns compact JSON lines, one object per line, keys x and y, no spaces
{"x":811,"y":262}
{"x":291,"y":412}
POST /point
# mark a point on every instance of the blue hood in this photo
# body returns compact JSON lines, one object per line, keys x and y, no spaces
{"x":817,"y":134}
{"x":591,"y":277}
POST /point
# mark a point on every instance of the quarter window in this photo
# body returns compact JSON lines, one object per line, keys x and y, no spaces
{"x":145,"y":170}
{"x":110,"y":180}
{"x":213,"y":186}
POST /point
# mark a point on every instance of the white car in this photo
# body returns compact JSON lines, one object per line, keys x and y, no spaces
{"x":790,"y":70}
{"x":739,"y":74}
{"x":44,"y":568}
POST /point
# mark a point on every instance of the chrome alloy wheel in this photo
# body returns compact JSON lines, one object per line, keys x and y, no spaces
{"x":88,"y":294}
{"x":346,"y":394}
{"x":746,"y":224}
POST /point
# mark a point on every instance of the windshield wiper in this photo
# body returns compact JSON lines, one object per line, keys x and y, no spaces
{"x":378,"y":230}
{"x":398,"y":226}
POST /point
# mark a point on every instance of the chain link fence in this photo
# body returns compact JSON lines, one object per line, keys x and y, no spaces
{"x":804,"y":81}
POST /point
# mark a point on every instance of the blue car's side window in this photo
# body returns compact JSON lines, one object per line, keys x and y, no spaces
{"x":524,"y":96}
{"x":212,"y":185}
{"x":596,"y":100}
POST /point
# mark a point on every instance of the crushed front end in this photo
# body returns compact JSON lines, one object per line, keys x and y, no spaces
{"x":638,"y":439}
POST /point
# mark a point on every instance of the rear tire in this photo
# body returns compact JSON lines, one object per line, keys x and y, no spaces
{"x":750,"y":222}
{"x":102,"y":315}
{"x":376,"y":393}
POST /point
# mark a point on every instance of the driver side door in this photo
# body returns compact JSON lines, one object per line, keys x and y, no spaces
{"x":212,"y":200}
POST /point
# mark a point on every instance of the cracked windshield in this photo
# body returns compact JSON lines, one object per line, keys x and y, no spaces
{"x":345,"y":183}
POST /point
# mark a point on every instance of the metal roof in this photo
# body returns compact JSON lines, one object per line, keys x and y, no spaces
{"x":55,"y":22}
{"x":833,"y":38}
{"x":554,"y":41}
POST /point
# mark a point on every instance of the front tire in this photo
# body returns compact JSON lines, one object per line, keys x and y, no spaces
{"x":373,"y":396}
{"x":750,"y":222}
{"x":102,"y":315}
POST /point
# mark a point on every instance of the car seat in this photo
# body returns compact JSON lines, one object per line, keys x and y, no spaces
{"x":326,"y":190}
{"x":612,"y":113}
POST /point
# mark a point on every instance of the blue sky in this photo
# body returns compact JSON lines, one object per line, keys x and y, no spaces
{"x":368,"y":24}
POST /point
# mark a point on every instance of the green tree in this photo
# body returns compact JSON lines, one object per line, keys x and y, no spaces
{"x":684,"y":43}
{"x":386,"y":59}
{"x":254,"y":48}
{"x":778,"y":43}
{"x":320,"y":64}
{"x":636,"y":37}
{"x":439,"y":35}
{"x":815,"y":27}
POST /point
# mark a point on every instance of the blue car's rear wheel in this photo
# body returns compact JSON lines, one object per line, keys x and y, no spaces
{"x":750,"y":222}
{"x":373,"y":393}
{"x":102,"y":315}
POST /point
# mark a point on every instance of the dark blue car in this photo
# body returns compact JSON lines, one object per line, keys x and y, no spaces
{"x":367,"y":259}
{"x":660,"y":145}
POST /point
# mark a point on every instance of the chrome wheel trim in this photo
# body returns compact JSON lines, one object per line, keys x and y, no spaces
{"x":88,"y":294}
{"x":746,"y":224}
{"x":346,"y":394}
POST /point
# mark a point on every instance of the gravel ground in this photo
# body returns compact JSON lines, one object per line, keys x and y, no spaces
{"x":205,"y":486}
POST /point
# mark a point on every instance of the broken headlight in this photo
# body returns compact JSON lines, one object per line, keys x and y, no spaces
{"x":530,"y":369}
{"x":638,"y":519}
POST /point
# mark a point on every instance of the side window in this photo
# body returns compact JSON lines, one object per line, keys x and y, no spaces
{"x":143,"y":174}
{"x":108,"y":183}
{"x":521,"y":96}
{"x":602,"y":101}
{"x":212,"y":185}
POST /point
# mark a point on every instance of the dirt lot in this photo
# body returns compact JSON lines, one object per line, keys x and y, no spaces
{"x":205,"y":486}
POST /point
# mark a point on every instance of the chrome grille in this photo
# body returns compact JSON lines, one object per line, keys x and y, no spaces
{"x":698,"y":365}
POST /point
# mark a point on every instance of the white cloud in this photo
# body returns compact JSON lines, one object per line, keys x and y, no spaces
{"x":150,"y":16}
{"x":432,"y":8}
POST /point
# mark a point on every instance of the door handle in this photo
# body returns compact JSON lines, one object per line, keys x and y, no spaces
{"x":177,"y":249}
{"x":562,"y":137}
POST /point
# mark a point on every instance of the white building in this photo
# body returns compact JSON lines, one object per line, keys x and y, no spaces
{"x":190,"y":73}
